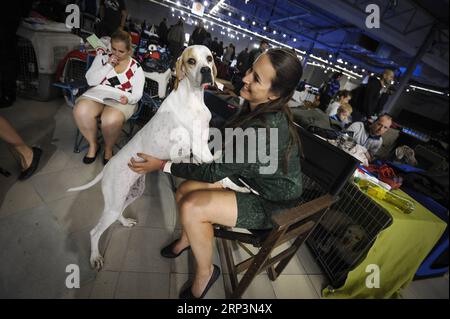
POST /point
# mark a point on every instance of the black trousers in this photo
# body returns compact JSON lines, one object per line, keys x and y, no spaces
{"x":9,"y":57}
{"x":325,"y":100}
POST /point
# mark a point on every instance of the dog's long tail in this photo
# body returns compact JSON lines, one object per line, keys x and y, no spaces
{"x":88,"y":185}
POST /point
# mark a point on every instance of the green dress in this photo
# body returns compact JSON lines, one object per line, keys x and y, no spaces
{"x":277,"y":191}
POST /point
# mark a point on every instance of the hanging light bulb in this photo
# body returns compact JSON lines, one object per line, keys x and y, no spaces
{"x":274,"y":32}
{"x":295,"y":40}
{"x":229,"y":14}
{"x":265,"y":28}
{"x":284,"y":35}
{"x":253,"y":23}
{"x":243,"y":18}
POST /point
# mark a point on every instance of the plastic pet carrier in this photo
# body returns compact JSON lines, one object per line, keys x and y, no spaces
{"x":39,"y":53}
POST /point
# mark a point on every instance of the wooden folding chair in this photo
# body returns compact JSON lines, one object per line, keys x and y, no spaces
{"x":325,"y":170}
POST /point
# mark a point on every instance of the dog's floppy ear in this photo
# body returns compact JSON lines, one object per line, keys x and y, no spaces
{"x":179,"y":72}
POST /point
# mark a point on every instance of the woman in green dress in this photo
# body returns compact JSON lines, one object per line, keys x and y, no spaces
{"x":209,"y":195}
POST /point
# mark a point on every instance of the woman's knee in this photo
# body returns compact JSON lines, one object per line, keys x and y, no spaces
{"x":184,"y":188}
{"x":191,"y":209}
{"x":84,"y":110}
{"x":112,"y":120}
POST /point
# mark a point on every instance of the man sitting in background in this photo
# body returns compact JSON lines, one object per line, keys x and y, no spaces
{"x":370,"y":135}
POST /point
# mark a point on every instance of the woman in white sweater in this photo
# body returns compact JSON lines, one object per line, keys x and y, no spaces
{"x":116,"y":70}
{"x":343,"y":97}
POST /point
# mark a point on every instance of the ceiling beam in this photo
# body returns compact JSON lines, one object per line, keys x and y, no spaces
{"x":345,"y":11}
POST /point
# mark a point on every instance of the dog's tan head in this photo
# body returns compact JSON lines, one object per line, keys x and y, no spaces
{"x":196,"y":63}
{"x":354,"y":237}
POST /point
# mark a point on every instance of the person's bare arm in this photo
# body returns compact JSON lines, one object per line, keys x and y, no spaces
{"x":124,"y":19}
{"x":101,"y":10}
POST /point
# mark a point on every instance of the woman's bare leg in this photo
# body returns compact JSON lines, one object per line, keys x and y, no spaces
{"x":9,"y":134}
{"x":185,"y":188}
{"x":199,"y":210}
{"x":85,"y":113}
{"x":112,"y":122}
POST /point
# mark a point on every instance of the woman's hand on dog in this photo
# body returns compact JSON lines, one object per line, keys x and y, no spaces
{"x":146,"y":164}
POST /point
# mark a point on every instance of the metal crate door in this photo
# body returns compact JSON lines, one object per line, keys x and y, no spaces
{"x":28,"y":72}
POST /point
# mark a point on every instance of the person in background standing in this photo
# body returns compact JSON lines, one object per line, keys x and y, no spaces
{"x":329,"y":89}
{"x":263,"y":46}
{"x":366,"y":98}
{"x":215,"y":47}
{"x":242,"y":61}
{"x":162,"y":31}
{"x":229,"y":54}
{"x":199,"y":34}
{"x":176,"y":39}
{"x":113,"y":15}
{"x":9,"y":23}
{"x":220,"y":52}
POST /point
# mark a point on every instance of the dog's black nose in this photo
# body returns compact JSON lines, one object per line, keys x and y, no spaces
{"x":205,"y":69}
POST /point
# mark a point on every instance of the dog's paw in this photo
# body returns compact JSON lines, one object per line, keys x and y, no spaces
{"x":97,"y":262}
{"x":128,"y":222}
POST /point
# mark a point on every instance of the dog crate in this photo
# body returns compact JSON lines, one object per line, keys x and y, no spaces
{"x":150,"y":102}
{"x":39,"y":53}
{"x":346,"y":233}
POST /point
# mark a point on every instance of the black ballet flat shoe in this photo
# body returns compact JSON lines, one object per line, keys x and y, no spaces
{"x":90,"y":160}
{"x":167,"y":251}
{"x":7,"y":101}
{"x":37,"y":152}
{"x":105,"y":161}
{"x":187,"y":293}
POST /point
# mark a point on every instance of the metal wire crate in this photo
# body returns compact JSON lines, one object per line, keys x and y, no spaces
{"x":151,"y":87}
{"x":74,"y":70}
{"x":28,"y":71}
{"x":150,"y":102}
{"x":346,"y":233}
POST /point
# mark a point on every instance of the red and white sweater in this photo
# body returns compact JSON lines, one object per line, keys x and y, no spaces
{"x":131,"y":81}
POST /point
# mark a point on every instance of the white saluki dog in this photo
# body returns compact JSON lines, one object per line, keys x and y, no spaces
{"x":173,"y":124}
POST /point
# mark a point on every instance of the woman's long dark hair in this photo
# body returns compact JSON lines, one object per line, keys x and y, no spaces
{"x":288,"y":72}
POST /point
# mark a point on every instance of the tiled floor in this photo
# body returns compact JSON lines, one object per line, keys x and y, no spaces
{"x":43,"y":229}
